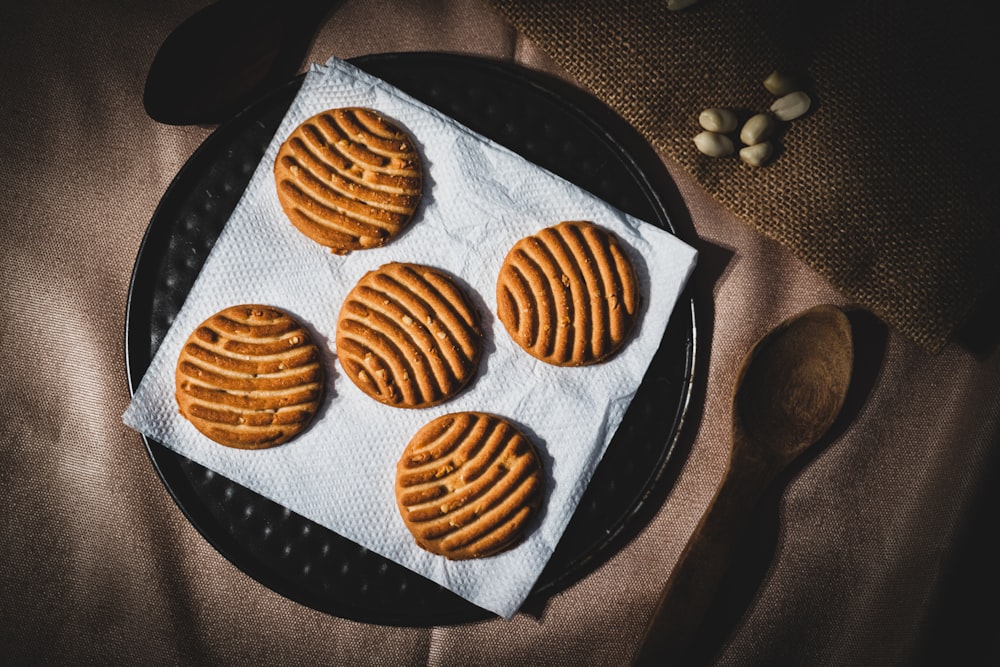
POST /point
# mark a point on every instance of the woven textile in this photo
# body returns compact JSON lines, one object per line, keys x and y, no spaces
{"x":884,"y":187}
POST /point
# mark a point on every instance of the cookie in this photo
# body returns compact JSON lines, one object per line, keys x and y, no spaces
{"x":467,"y":484}
{"x":568,"y":295}
{"x":249,"y":377}
{"x":408,"y":336}
{"x":349,"y":179}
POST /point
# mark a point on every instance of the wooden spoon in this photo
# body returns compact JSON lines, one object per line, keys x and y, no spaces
{"x":789,"y":390}
{"x":228,"y":54}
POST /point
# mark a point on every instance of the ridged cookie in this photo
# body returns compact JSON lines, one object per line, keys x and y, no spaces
{"x":568,"y":295}
{"x":467,"y":484}
{"x":408,"y":336}
{"x":249,"y":377}
{"x":349,"y":179}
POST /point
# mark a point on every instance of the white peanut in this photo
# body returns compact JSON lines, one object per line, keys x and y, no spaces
{"x":758,"y":128}
{"x":791,"y":106}
{"x":779,"y":83}
{"x":676,"y":5}
{"x":718,"y":120}
{"x":714,"y":144}
{"x":758,"y":154}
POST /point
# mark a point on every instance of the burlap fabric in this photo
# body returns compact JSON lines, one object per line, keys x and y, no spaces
{"x":885,"y":187}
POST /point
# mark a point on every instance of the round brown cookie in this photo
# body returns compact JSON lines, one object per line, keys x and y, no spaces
{"x":408,"y":336}
{"x":467,"y":484}
{"x":349,"y":179}
{"x":249,"y":377}
{"x":568,"y":295}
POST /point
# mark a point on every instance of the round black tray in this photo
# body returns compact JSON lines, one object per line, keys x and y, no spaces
{"x":547,"y":122}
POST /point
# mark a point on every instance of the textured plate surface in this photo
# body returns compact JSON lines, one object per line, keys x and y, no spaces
{"x":547,"y":122}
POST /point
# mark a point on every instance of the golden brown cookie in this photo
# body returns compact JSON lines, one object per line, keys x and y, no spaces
{"x":408,"y":336}
{"x":466,"y":485}
{"x":568,"y":295}
{"x":249,"y":377}
{"x":349,"y":179}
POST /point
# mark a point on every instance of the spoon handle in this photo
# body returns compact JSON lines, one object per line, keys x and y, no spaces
{"x":695,"y":579}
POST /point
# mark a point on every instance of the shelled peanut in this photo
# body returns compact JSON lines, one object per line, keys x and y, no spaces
{"x":677,"y":5}
{"x":756,"y":134}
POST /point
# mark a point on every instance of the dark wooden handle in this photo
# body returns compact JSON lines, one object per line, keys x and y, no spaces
{"x":695,"y":579}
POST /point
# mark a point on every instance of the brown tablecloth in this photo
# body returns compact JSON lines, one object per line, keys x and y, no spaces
{"x":877,"y":552}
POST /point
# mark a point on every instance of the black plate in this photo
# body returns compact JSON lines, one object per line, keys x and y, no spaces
{"x":548,"y":123}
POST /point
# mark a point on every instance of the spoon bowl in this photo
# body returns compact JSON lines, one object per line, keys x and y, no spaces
{"x":791,"y":386}
{"x":789,"y":390}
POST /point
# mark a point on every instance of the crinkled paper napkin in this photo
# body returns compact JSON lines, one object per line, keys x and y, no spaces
{"x":887,"y":187}
{"x":479,"y":199}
